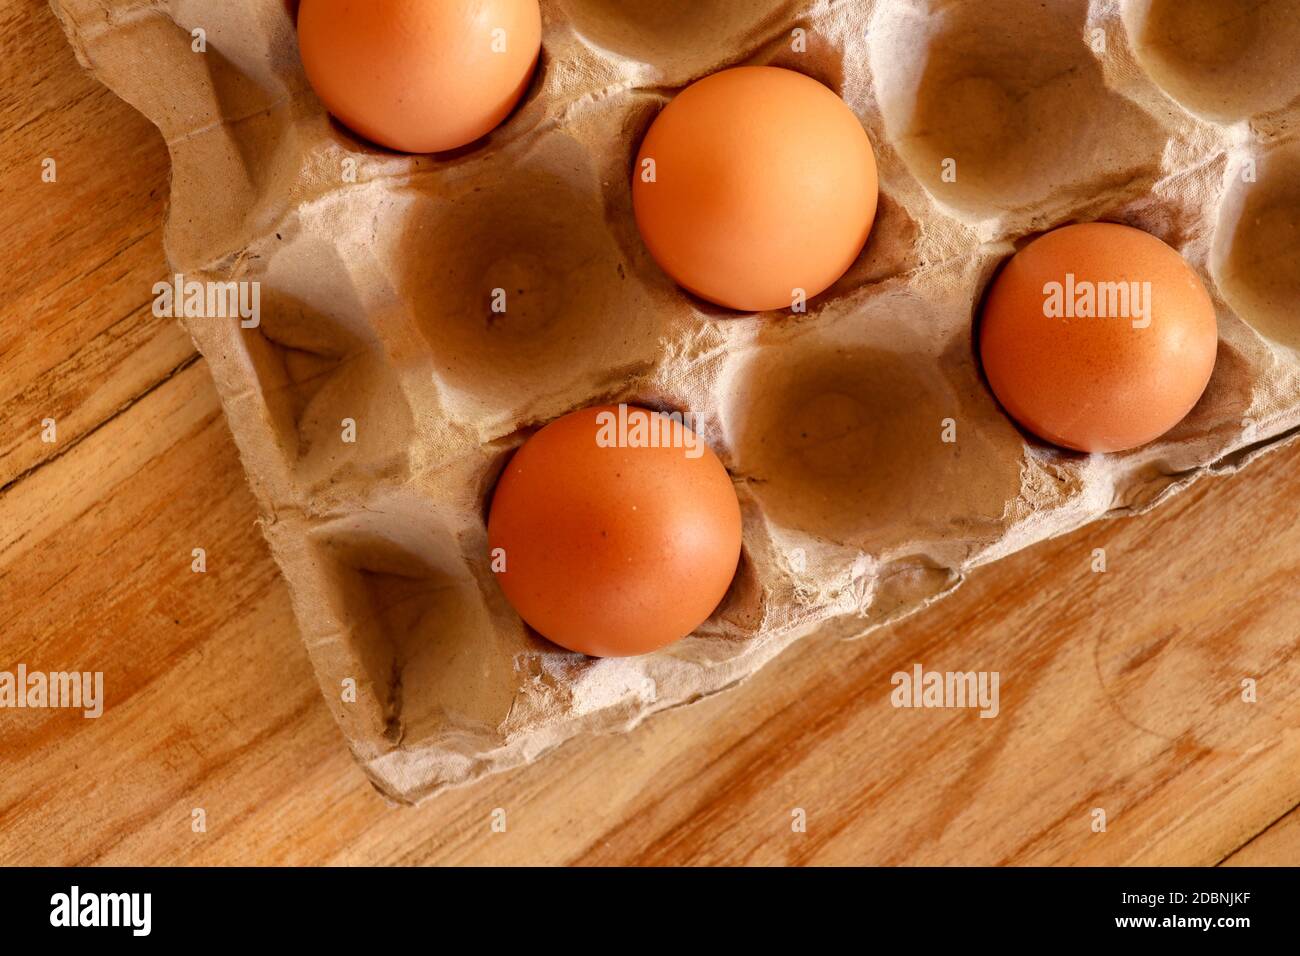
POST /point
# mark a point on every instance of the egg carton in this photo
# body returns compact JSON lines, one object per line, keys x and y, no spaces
{"x":873,"y":466}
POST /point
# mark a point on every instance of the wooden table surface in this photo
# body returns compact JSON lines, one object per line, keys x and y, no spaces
{"x":1120,"y":691}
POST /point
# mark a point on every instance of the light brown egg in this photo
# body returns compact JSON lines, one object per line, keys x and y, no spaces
{"x":417,"y":75}
{"x":754,"y":183}
{"x":609,"y":546}
{"x":1098,"y":337}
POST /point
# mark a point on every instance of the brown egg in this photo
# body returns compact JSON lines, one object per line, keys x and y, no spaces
{"x":611,"y":546}
{"x":754,"y":183}
{"x":420,"y":76}
{"x":1098,"y":337}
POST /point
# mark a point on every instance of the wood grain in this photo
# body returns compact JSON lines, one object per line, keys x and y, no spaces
{"x":79,"y":341}
{"x":1280,"y":843}
{"x":1120,"y":690}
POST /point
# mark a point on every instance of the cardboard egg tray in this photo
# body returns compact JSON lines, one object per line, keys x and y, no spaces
{"x":873,"y":466}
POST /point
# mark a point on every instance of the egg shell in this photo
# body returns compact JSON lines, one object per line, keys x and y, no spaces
{"x":764,"y":182}
{"x":1098,"y":384}
{"x":613,"y":550}
{"x":420,"y":76}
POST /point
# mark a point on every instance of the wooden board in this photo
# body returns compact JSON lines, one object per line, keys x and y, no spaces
{"x":1120,"y":690}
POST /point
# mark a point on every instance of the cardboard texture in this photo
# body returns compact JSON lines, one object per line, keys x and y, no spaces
{"x":376,"y":273}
